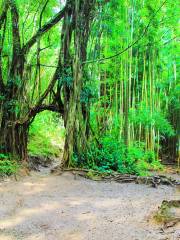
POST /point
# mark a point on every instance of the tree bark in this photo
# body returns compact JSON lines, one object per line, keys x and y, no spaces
{"x":13,"y":138}
{"x":15,"y":115}
{"x":76,"y":112}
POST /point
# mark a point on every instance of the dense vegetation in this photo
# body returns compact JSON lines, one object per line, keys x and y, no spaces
{"x":107,"y":69}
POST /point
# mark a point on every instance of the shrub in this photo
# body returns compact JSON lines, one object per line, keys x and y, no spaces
{"x":112,"y":155}
{"x":7,"y":166}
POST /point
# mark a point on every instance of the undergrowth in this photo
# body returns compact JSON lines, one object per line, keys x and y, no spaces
{"x":45,"y":135}
{"x":112,"y":155}
{"x":7,"y":165}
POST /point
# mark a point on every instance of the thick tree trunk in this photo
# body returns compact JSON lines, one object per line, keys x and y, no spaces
{"x":75,"y":139}
{"x":13,"y":137}
{"x":13,"y":141}
{"x":76,"y":113}
{"x":13,"y":109}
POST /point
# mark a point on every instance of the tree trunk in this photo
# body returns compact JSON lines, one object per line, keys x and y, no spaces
{"x":76,"y":124}
{"x":13,"y":138}
{"x":76,"y":112}
{"x":13,"y":107}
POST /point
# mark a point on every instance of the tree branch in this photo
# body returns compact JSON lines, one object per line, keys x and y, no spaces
{"x":44,"y":29}
{"x":51,"y":107}
{"x":37,"y":109}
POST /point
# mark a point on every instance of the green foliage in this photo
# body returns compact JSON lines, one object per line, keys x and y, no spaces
{"x":66,"y":78}
{"x":88,"y":94}
{"x":147,"y":72}
{"x":139,"y":161}
{"x":2,"y":97}
{"x":143,"y":115}
{"x":4,"y":156}
{"x":45,"y":135}
{"x":103,"y":158}
{"x":7,"y":166}
{"x":112,"y":155}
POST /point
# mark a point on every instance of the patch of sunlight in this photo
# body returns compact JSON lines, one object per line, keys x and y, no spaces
{"x":33,"y":184}
{"x":4,"y":237}
{"x":11,"y":222}
{"x":34,"y":188}
{"x":106,"y":203}
{"x":78,"y":202}
{"x":74,"y":235}
{"x":27,"y":213}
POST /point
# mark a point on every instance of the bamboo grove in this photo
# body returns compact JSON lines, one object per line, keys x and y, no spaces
{"x":108,"y":68}
{"x":139,"y":88}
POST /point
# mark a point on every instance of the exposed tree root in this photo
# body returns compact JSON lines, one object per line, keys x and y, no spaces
{"x":154,"y":181}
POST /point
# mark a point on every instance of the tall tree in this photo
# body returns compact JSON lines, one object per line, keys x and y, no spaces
{"x":77,"y":111}
{"x":16,"y":114}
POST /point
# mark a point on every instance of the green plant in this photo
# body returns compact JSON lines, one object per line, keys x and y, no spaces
{"x":112,"y":155}
{"x":3,"y":156}
{"x":7,"y":166}
{"x":45,"y":135}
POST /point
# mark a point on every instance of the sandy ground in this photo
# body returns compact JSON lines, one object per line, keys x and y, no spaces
{"x":46,"y":207}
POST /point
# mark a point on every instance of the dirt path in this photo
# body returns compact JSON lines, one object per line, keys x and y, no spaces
{"x":45,"y":207}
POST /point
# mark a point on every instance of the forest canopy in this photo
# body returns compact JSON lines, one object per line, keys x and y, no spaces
{"x":107,"y":69}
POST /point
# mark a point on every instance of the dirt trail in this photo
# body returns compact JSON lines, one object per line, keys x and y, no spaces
{"x":46,"y":207}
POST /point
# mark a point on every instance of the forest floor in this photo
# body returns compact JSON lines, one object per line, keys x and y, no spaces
{"x":47,"y":207}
